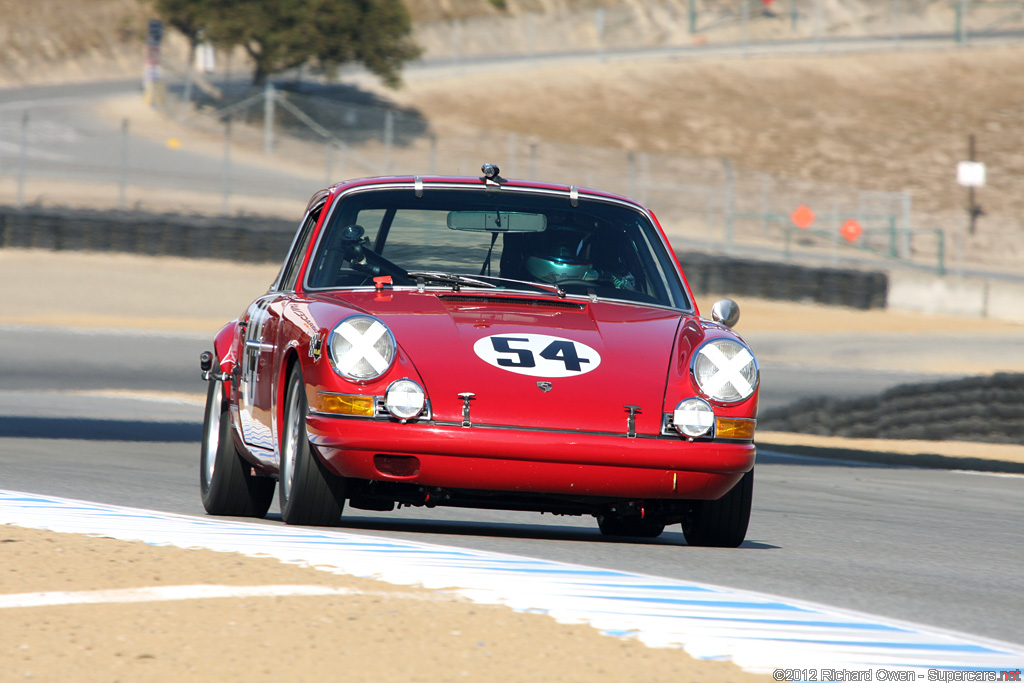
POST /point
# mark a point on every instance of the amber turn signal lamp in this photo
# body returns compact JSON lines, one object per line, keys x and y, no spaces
{"x":734,"y":428}
{"x":344,"y":404}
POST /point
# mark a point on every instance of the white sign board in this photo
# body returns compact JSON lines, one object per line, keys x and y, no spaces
{"x":970,"y":173}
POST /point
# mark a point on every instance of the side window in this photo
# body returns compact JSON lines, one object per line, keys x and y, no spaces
{"x":291,"y":269}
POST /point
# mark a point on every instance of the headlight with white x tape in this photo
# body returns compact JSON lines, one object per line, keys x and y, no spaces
{"x":725,"y":371}
{"x":361,"y":348}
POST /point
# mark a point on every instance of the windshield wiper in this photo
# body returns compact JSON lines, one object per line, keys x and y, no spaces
{"x":456,"y":281}
{"x":542,"y":286}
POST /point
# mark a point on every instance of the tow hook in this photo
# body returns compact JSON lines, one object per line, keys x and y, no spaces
{"x":206,"y":365}
{"x":435,"y":496}
{"x":633,"y":508}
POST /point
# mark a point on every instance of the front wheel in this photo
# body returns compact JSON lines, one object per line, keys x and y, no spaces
{"x":721,"y":523}
{"x":225,"y":479}
{"x":308,"y":493}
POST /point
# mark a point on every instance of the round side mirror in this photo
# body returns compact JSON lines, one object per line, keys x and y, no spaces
{"x":726,"y":312}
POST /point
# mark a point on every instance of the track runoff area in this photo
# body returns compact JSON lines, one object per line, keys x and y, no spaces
{"x":791,"y":640}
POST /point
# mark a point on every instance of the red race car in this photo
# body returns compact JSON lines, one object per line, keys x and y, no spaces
{"x":489,"y":343}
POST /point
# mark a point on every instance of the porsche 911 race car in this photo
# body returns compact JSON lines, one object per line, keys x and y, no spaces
{"x":488,"y":343}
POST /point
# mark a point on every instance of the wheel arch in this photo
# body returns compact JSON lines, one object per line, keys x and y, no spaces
{"x":289,"y":360}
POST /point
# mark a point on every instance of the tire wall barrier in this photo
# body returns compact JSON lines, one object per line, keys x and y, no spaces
{"x":251,"y":239}
{"x":769,"y":280}
{"x":255,"y":239}
{"x":989,"y":409}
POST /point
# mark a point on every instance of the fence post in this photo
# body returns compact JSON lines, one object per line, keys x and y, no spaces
{"x":905,"y":208}
{"x":389,"y":138}
{"x":645,"y":178}
{"x":531,"y":34}
{"x":961,"y":22}
{"x":433,"y":154}
{"x":455,"y":38}
{"x":330,"y":161}
{"x":896,"y":23}
{"x":227,"y":165}
{"x":818,"y":19}
{"x":941,"y":235}
{"x":186,"y":98}
{"x":22,"y":159}
{"x":631,"y":157}
{"x":893,"y":253}
{"x":511,"y":163}
{"x":765,"y":191}
{"x":730,"y":202}
{"x":745,"y":22}
{"x":269,"y":99}
{"x":123,"y":181}
{"x":533,"y":159}
{"x":835,"y":233}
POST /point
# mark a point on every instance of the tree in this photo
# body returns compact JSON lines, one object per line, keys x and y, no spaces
{"x":187,"y":16}
{"x":284,"y":34}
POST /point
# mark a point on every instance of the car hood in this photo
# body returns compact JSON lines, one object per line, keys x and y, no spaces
{"x":536,"y":362}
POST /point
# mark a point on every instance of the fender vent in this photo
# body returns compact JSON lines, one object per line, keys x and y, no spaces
{"x":511,"y":301}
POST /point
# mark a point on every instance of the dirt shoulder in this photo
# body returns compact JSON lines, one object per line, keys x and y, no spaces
{"x":375,"y":632}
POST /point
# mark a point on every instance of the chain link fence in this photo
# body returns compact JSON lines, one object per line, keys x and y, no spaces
{"x":704,"y":23}
{"x":704,"y":204}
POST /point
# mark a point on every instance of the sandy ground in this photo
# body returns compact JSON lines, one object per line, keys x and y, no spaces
{"x":377,"y":632}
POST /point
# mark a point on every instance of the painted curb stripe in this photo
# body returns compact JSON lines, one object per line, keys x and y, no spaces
{"x":198,"y":592}
{"x":159,"y":594}
{"x":759,"y":632}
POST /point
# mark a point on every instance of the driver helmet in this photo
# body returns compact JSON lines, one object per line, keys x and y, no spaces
{"x":562,"y":256}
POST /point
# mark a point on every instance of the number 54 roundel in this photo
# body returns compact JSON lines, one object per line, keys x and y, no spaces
{"x":539,"y":355}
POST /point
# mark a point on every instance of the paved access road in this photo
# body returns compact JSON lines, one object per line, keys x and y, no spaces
{"x":936,"y":547}
{"x":53,"y":132}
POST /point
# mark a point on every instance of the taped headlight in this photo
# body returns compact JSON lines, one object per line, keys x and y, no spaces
{"x":405,"y":399}
{"x":725,"y":371}
{"x":361,"y":348}
{"x":693,"y":417}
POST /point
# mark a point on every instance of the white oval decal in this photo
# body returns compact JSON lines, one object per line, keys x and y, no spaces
{"x":538,"y":355}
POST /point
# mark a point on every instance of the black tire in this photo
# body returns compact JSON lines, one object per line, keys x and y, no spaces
{"x":307,"y":492}
{"x":635,"y":527}
{"x":721,"y":523}
{"x":226,"y":481}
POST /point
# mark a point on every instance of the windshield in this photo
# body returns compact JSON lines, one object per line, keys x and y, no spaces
{"x":495,"y":240}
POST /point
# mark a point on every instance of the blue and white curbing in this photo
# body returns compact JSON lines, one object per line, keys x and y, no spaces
{"x":758,"y":632}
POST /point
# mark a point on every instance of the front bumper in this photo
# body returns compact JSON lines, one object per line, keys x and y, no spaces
{"x":532,"y":461}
